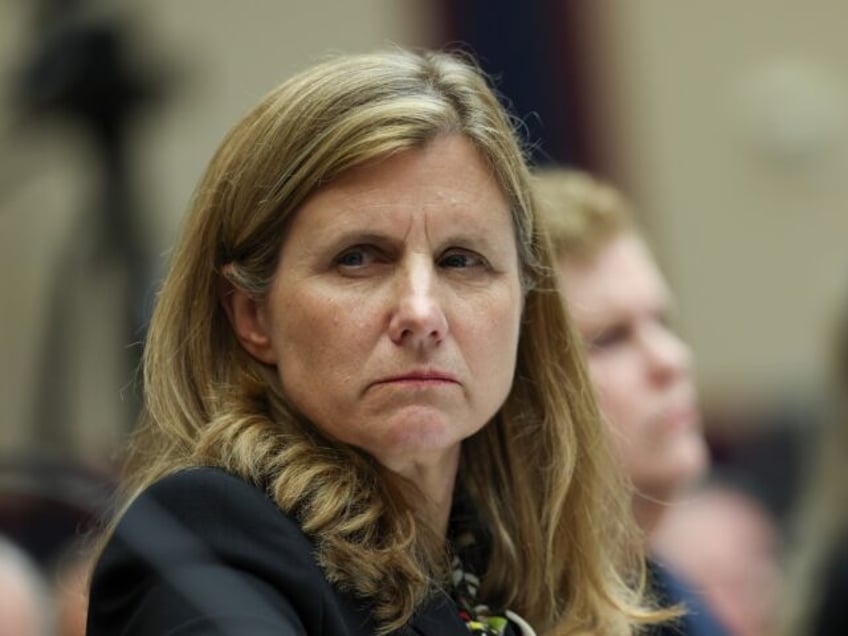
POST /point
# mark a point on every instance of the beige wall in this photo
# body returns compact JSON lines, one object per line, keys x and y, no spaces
{"x":220,"y":57}
{"x":727,"y":122}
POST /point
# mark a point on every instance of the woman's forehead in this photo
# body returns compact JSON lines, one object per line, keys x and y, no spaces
{"x":446,"y":180}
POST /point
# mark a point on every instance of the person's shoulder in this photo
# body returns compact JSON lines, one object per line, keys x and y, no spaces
{"x":200,"y":480}
{"x":209,"y":502}
{"x":205,"y":485}
{"x":671,"y":589}
{"x":202,"y":544}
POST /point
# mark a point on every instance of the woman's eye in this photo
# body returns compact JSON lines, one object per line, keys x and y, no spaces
{"x":461,"y":260}
{"x":356,"y":257}
{"x":608,"y":338}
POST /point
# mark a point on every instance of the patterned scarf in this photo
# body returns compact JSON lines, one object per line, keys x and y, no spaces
{"x":465,"y":584}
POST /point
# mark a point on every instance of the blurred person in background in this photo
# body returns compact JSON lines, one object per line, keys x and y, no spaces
{"x":640,"y":368}
{"x":25,"y":605}
{"x":728,"y":545}
{"x":816,"y":599}
{"x":365,"y":409}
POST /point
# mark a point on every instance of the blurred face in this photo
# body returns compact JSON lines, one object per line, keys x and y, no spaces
{"x":19,"y":614}
{"x":639,"y":366}
{"x":394,"y":314}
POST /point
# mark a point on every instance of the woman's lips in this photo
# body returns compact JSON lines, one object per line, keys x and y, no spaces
{"x":421,"y":378}
{"x":680,"y":418}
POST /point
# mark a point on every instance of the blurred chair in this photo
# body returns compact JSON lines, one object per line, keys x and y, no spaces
{"x":51,"y":509}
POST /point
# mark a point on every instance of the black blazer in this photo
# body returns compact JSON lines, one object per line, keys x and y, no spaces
{"x":204,"y":552}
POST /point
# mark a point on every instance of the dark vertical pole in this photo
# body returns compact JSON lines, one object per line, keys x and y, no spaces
{"x":80,"y":73}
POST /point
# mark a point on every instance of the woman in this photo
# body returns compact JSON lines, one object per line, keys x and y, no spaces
{"x":365,"y":410}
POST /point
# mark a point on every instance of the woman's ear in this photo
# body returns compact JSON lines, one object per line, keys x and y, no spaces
{"x":247,"y":318}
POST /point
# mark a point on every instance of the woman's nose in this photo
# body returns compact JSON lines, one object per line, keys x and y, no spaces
{"x":418,"y":317}
{"x":669,"y":356}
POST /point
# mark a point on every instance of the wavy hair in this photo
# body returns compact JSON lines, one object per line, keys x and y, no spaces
{"x":564,"y":546}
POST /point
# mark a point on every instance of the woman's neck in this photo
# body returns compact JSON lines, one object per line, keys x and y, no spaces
{"x":434,"y":477}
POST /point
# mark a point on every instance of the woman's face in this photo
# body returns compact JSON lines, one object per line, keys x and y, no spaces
{"x":393,"y":317}
{"x":641,"y":369}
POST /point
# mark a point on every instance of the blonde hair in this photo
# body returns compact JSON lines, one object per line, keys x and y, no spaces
{"x":582,"y":214}
{"x":563,"y":544}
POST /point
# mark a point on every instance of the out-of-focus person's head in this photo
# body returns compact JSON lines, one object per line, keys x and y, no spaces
{"x":25,"y":608}
{"x":621,"y":304}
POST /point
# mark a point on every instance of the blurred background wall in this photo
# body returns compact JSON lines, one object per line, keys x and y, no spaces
{"x":200,"y":66}
{"x":727,"y":127}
